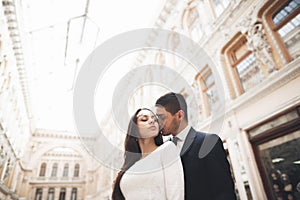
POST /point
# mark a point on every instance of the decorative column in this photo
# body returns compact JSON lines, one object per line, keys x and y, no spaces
{"x":32,"y":193}
{"x":68,"y":193}
{"x":45,"y":193}
{"x":56,"y":193}
{"x":234,"y":152}
{"x":80,"y":194}
{"x":255,"y":181}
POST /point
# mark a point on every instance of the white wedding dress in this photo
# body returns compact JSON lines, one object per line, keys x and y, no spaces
{"x":158,"y":176}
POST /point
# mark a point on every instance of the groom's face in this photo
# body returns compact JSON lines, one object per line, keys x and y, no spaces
{"x":168,"y":123}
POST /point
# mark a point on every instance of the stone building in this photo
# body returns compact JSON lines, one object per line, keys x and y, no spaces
{"x":249,"y":94}
{"x":57,"y":166}
{"x":15,"y":112}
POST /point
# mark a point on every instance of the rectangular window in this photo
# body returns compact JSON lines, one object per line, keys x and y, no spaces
{"x":245,"y":70}
{"x":76,"y":170}
{"x":62,"y":194}
{"x":276,"y":144}
{"x":286,"y":22}
{"x":54,"y":170}
{"x":208,"y":91}
{"x":38,"y":194}
{"x":280,"y":160}
{"x":249,"y":72}
{"x":51,"y":194}
{"x":66,"y":170}
{"x":74,"y":194}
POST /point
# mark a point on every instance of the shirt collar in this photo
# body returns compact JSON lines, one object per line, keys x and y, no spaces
{"x":182,"y":135}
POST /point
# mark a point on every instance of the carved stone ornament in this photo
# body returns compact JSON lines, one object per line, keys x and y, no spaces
{"x":249,"y":19}
{"x":258,"y":44}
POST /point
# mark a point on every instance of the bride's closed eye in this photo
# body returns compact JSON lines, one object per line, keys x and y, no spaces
{"x":146,"y":118}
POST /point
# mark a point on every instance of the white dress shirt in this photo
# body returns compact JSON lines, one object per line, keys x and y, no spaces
{"x":181,"y":137}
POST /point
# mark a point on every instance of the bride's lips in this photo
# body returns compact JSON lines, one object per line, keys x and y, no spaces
{"x":152,"y":127}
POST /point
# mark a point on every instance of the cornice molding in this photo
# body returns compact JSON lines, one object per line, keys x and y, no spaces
{"x":57,"y":183}
{"x":13,"y":27}
{"x":68,"y":135}
{"x":62,"y":155}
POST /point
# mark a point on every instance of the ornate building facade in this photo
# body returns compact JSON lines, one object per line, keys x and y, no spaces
{"x":35,"y":163}
{"x":15,"y":109}
{"x":57,"y":166}
{"x":254,"y":46}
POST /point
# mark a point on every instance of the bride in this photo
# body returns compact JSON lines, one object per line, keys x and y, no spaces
{"x":151,"y":169}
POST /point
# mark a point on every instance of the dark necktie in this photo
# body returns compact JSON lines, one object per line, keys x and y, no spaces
{"x":175,"y":139}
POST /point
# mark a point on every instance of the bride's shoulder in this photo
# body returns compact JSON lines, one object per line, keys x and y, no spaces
{"x":168,"y":146}
{"x":169,"y":153}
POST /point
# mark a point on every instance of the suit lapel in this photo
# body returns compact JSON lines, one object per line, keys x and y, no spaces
{"x":188,"y":141}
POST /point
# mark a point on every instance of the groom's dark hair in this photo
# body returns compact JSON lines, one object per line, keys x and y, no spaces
{"x":173,"y":102}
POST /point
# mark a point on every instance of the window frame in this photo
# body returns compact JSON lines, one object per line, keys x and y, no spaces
{"x":74,"y":192}
{"x":54,"y":170}
{"x":190,"y":19}
{"x":62,"y":194}
{"x":43,"y":169}
{"x":51,"y":191}
{"x":38,"y":194}
{"x":66,"y":170}
{"x":200,"y":78}
{"x":268,"y":135}
{"x":237,"y":44}
{"x":268,"y":15}
{"x":76,"y":170}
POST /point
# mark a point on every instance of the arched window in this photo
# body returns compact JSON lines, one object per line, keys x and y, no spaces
{"x":54,"y":170}
{"x":191,"y":21}
{"x":74,"y":194}
{"x":66,"y":170}
{"x":43,"y":169}
{"x":76,"y":170}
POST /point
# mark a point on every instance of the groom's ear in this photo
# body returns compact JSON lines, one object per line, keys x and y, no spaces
{"x":180,"y":114}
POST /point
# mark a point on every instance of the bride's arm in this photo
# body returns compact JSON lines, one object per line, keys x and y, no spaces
{"x":173,"y":173}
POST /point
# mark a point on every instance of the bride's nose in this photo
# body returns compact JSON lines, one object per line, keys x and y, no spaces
{"x":151,"y":120}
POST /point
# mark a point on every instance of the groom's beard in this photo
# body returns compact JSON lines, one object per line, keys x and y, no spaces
{"x":171,"y":128}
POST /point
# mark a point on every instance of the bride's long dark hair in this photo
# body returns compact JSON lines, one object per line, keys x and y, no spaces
{"x":132,"y":152}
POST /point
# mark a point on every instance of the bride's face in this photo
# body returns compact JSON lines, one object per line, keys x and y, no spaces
{"x":147,"y":124}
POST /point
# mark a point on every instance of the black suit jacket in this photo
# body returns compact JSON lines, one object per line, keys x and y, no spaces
{"x":206,"y":169}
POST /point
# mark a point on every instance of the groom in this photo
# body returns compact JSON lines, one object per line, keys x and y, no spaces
{"x":207,"y":173}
